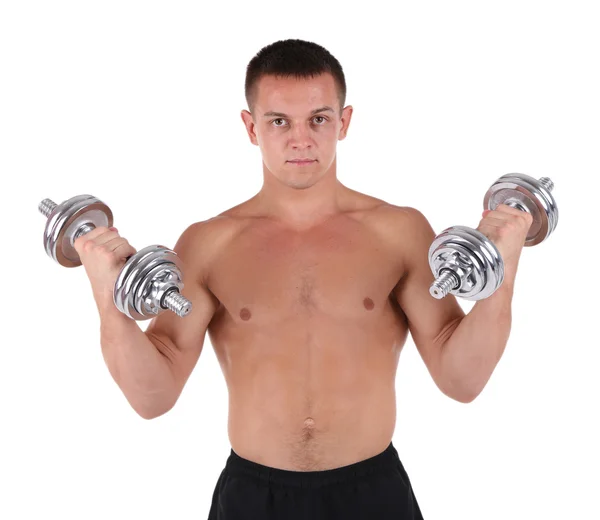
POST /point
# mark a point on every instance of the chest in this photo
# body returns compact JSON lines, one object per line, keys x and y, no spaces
{"x":343,"y":271}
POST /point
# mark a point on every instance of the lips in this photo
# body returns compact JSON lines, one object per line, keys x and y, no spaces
{"x":302,"y":160}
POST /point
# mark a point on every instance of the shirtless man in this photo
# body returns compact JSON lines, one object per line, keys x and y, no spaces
{"x":308,"y":291}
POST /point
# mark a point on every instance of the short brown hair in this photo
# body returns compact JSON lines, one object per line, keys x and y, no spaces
{"x":298,"y":58}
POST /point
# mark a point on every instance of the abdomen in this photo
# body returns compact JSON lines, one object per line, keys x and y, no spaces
{"x":313,"y":393}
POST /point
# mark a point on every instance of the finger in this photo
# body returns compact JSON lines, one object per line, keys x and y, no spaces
{"x":509,"y":214}
{"x":125,"y":250}
{"x":503,"y":208}
{"x":502,"y":215}
{"x":489,"y":231}
{"x":105,"y":237}
{"x":492,"y":233}
{"x":89,"y":236}
{"x":494,"y":221}
{"x":115,"y":243}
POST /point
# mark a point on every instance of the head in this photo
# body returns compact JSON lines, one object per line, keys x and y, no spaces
{"x":286,"y":83}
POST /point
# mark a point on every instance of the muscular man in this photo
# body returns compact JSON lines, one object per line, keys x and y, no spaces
{"x":308,"y":291}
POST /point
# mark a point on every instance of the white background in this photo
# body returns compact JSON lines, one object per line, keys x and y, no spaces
{"x":138,"y":103}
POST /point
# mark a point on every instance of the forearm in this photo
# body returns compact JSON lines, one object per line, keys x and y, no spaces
{"x":471,"y":353}
{"x":137,"y":366}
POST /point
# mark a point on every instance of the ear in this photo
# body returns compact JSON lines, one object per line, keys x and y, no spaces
{"x":346,"y":117}
{"x":250,"y":126}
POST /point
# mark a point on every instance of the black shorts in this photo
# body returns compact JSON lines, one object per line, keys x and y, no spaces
{"x":375,"y":488}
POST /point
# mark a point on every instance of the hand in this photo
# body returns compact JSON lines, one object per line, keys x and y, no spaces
{"x":507,"y":228}
{"x":103,"y":254}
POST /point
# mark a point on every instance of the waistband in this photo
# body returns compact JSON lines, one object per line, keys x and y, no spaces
{"x":237,"y":465}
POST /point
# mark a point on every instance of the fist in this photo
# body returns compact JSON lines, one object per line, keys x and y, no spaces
{"x":103,"y":254}
{"x":507,"y":228}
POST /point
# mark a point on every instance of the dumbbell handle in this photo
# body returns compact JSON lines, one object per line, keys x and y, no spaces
{"x":172,"y":300}
{"x":517,"y":204}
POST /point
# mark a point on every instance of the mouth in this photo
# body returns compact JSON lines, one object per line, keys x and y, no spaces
{"x":302,"y":163}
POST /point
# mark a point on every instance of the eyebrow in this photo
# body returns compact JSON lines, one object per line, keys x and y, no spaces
{"x":281,"y":114}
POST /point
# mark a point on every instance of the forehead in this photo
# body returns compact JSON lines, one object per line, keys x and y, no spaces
{"x":277,"y":93}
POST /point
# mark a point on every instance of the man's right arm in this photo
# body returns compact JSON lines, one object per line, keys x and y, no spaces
{"x":135,"y":363}
{"x":152,"y":367}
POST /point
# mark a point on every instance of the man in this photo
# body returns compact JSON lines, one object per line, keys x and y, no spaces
{"x":308,"y":291}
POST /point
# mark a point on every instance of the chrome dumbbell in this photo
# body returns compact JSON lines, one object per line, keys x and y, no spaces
{"x":151,"y":280}
{"x":466,"y":263}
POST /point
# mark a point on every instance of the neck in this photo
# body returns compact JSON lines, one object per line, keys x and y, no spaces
{"x":301,"y":207}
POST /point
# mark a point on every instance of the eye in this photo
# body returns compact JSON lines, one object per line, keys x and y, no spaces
{"x":316,"y":117}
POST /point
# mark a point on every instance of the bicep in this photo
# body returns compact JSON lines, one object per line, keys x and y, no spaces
{"x":431,"y":321}
{"x":180,"y":339}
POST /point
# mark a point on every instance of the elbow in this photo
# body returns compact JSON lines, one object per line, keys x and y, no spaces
{"x":460,"y":394}
{"x":460,"y":390}
{"x":464,"y":398}
{"x":466,"y":395}
{"x":150,"y":414}
{"x":147,"y":416}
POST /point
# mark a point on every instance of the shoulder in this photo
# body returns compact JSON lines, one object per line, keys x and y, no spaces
{"x":213,"y":230}
{"x":390,"y":220}
{"x":405,"y":213}
{"x":202,"y":242}
{"x":404,"y":232}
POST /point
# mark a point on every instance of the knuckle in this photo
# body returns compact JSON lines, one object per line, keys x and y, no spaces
{"x":78,"y":244}
{"x":87,"y":246}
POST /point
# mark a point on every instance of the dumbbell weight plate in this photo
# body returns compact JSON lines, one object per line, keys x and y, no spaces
{"x":64,"y":222}
{"x":461,"y":247}
{"x":533,"y":195}
{"x":148,"y":299}
{"x":131,"y":292}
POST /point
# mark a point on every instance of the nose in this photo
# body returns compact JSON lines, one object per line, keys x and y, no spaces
{"x":301,"y":137}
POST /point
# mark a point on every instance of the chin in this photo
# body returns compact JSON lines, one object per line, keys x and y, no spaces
{"x":302,"y":183}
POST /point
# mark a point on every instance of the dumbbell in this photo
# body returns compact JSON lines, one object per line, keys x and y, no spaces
{"x":466,"y":263}
{"x":150,"y":281}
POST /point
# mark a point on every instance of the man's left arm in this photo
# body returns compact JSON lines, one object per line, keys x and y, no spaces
{"x":471,"y":353}
{"x":475,"y":347}
{"x":461,"y":351}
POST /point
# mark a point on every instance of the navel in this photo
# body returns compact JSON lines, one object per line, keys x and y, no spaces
{"x":368,"y":303}
{"x":309,"y":422}
{"x":245,"y":314}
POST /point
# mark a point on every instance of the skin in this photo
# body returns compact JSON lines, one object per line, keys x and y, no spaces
{"x":302,"y":290}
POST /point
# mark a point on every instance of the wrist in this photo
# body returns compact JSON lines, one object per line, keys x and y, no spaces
{"x":508,"y":285}
{"x":108,"y":309}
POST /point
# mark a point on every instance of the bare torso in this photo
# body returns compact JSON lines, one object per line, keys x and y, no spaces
{"x":308,"y":336}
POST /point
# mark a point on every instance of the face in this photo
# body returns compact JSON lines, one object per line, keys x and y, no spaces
{"x":285,"y":127}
